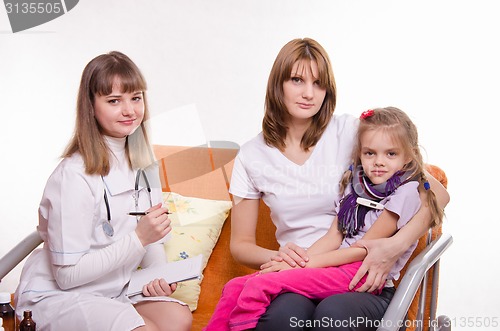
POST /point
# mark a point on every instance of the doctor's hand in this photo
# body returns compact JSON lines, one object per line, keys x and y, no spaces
{"x":158,"y":287}
{"x":292,"y":254}
{"x":154,"y":225}
{"x":377,"y":264}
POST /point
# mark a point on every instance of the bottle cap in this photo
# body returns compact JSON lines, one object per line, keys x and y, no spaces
{"x":4,"y":297}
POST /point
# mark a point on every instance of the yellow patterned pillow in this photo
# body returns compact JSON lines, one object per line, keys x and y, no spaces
{"x":196,"y":226}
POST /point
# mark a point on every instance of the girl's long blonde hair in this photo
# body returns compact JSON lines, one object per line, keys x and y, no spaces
{"x":402,"y":130}
{"x":97,"y":79}
{"x":274,"y":127}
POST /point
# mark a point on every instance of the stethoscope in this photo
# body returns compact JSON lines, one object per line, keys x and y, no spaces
{"x":106,"y":226}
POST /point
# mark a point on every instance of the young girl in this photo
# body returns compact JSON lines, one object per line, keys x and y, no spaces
{"x":380,"y":195}
{"x":78,"y":280}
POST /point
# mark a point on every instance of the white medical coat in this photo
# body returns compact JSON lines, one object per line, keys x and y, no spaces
{"x":71,"y":217}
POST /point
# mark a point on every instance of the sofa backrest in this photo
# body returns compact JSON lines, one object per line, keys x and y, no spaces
{"x":205,"y":172}
{"x":201,"y":172}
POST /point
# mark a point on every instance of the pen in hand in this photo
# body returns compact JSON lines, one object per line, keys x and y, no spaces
{"x":142,"y":213}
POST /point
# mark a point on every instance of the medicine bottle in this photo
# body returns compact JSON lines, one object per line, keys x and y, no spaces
{"x":7,"y":312}
{"x":27,"y":324}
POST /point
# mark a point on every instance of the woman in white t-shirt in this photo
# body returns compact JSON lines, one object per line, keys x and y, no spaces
{"x":78,"y":280}
{"x":295,"y":165}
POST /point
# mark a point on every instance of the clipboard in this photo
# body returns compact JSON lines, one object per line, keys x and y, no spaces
{"x":172,"y":272}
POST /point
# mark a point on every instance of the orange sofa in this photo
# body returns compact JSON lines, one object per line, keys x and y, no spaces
{"x":205,"y":173}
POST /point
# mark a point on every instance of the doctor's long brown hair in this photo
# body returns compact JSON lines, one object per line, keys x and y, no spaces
{"x":97,"y":79}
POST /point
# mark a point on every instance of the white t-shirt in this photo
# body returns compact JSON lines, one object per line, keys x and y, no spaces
{"x":301,"y":197}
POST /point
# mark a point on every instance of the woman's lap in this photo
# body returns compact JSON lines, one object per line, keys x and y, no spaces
{"x":347,"y":311}
{"x":284,"y":310}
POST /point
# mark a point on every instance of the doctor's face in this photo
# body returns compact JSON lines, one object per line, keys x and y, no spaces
{"x":119,"y":113}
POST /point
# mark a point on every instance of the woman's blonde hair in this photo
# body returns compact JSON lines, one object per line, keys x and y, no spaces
{"x":274,"y":125}
{"x":402,"y":130}
{"x":98,"y":78}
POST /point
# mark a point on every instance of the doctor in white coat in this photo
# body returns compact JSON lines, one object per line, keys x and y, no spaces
{"x":92,"y":244}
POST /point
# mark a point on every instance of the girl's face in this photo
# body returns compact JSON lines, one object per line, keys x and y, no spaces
{"x":303,"y":95}
{"x":118,"y":113}
{"x":381,"y":156}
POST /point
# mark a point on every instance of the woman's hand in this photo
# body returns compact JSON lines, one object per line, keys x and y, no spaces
{"x":158,"y":287}
{"x":292,"y":254}
{"x":154,"y":225}
{"x":274,"y":266}
{"x":377,"y":263}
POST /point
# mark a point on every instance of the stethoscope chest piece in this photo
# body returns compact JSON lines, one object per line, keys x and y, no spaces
{"x":108,"y":229}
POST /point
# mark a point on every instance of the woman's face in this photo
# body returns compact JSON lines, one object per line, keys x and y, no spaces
{"x":303,"y":94}
{"x":119,"y":113}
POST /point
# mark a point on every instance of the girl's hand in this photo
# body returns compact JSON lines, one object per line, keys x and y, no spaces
{"x":292,"y":254}
{"x":154,"y":225}
{"x":377,"y":264}
{"x":158,"y":287}
{"x":274,"y":266}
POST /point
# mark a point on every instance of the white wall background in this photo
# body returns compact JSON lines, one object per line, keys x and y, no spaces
{"x":209,"y":60}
